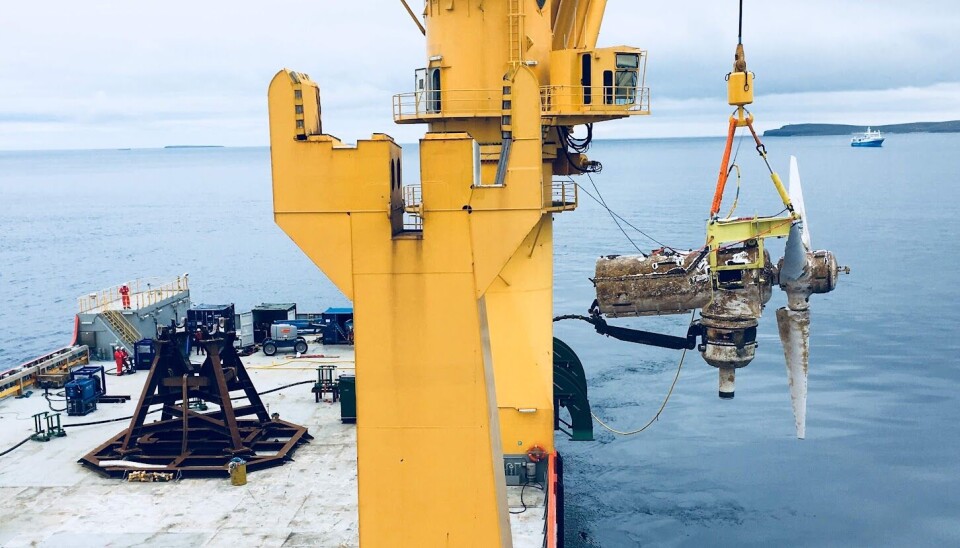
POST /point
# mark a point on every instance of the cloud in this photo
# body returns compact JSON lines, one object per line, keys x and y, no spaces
{"x":700,"y":117}
{"x":815,"y":45}
{"x":119,"y":73}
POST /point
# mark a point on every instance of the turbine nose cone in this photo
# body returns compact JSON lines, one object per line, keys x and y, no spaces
{"x":728,"y":378}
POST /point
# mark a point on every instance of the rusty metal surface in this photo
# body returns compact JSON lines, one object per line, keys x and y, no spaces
{"x":632,"y":285}
{"x":731,"y":317}
{"x":675,"y":283}
{"x":794,"y":327}
{"x":820,"y":275}
{"x":728,"y":380}
{"x":192,"y":443}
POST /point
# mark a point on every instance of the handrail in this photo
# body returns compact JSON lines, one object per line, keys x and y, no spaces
{"x":467,"y":102}
{"x":626,"y":99}
{"x":143,"y":292}
{"x":64,"y":357}
{"x":412,"y":207}
{"x":564,"y":195}
{"x":554,"y":100}
{"x":121,"y":327}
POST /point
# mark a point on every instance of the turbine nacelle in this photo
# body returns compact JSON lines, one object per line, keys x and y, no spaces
{"x":730,"y":281}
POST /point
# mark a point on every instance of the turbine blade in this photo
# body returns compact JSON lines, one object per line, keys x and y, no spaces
{"x":796,"y":198}
{"x":794,"y":329}
{"x":794,"y":255}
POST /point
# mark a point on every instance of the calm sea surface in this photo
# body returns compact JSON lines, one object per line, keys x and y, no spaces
{"x":880,"y":464}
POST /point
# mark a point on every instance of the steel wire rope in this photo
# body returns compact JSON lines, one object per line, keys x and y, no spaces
{"x":580,"y":146}
{"x":614,"y":217}
{"x":676,"y":377}
{"x":626,"y":222}
{"x":740,"y":25}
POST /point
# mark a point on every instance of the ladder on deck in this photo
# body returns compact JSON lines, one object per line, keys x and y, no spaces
{"x":122,"y":328}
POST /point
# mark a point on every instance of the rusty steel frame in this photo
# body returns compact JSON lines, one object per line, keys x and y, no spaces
{"x":190,"y":443}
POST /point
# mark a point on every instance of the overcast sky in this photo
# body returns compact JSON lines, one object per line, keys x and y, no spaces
{"x":146,"y":73}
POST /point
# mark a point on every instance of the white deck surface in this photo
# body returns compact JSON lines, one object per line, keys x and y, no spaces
{"x":48,"y":499}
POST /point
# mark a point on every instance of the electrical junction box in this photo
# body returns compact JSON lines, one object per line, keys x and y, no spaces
{"x":515,"y":470}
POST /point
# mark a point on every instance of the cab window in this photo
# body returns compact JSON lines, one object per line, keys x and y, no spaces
{"x":627,"y":78}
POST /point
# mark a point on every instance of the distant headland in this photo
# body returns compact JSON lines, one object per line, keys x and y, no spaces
{"x":804,"y":130}
{"x":193,"y":146}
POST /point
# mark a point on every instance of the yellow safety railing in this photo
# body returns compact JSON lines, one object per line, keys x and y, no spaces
{"x":564,"y":195}
{"x":142,"y":293}
{"x":412,"y":207}
{"x":554,"y":101}
{"x":122,"y":328}
{"x":13,"y":381}
{"x":426,"y":104}
{"x":624,"y":100}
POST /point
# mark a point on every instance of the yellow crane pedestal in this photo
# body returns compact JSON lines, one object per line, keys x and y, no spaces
{"x":425,"y":376}
{"x":452,"y":279}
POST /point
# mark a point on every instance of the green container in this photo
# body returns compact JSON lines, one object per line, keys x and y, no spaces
{"x":348,"y":399}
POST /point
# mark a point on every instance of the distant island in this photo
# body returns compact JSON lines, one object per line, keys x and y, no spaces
{"x":805,"y":130}
{"x":193,"y":146}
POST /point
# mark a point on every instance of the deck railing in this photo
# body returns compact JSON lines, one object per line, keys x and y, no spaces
{"x":142,"y":293}
{"x":564,"y":195}
{"x":13,"y":381}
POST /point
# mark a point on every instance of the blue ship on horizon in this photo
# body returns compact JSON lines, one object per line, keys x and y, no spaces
{"x":867,"y":139}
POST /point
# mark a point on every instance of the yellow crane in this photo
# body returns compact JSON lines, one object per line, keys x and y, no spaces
{"x":451,"y":279}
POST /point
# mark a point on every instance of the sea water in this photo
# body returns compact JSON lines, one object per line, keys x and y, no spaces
{"x":880,"y":463}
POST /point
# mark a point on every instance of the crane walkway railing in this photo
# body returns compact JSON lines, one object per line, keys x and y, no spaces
{"x":564,"y":195}
{"x":412,"y":208}
{"x":615,"y":101}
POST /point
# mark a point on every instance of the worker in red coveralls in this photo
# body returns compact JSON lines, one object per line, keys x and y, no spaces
{"x":118,"y":357}
{"x":198,"y":341}
{"x":125,"y":296}
{"x":124,"y":357}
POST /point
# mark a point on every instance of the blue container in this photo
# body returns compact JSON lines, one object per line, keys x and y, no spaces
{"x":81,"y":389}
{"x":82,"y":395}
{"x":143,"y":353}
{"x":337,"y":326}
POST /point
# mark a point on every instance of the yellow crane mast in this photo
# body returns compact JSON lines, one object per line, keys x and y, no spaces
{"x":452,"y":278}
